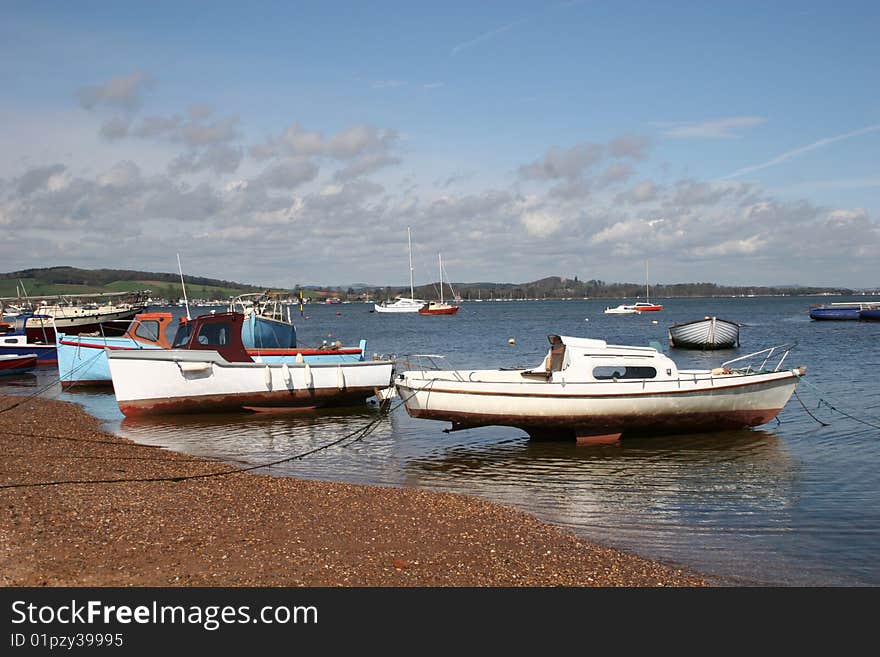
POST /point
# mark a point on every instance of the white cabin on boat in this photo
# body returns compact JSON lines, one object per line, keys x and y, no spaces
{"x":586,"y":360}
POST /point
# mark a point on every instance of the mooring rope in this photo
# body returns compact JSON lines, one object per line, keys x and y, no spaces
{"x":824,"y":400}
{"x":53,"y":382}
{"x":358,"y":434}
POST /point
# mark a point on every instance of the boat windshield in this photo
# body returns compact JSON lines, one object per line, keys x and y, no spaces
{"x":182,"y":337}
{"x":215,"y":334}
{"x":148,"y":330}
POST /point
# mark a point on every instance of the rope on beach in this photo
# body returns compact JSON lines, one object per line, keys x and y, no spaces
{"x":357,"y":435}
{"x":824,"y":400}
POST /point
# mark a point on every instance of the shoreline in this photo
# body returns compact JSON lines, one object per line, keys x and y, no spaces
{"x":248,"y":529}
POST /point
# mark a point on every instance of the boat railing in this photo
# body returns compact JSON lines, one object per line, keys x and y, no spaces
{"x":779,"y":351}
{"x":424,"y":363}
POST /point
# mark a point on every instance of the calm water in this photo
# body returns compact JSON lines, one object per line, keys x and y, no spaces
{"x":791,"y":503}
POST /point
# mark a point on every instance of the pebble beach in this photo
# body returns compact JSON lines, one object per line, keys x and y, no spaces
{"x":246,"y":529}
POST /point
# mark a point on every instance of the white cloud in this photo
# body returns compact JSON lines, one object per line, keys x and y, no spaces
{"x":348,"y":143}
{"x":715,"y":128}
{"x":735,"y":247}
{"x":563,"y":162}
{"x":541,"y":224}
{"x":122,"y":91}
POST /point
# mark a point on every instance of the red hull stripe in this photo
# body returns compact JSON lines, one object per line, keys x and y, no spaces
{"x":646,"y":424}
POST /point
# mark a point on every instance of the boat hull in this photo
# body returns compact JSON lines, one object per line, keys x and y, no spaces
{"x":108,"y":323}
{"x":835,"y":314}
{"x":870,"y":315}
{"x":621,"y":310}
{"x":17,"y":364}
{"x":184,"y":381}
{"x":448,"y":310}
{"x":710,"y":333}
{"x":400,"y":306}
{"x":19,"y":345}
{"x":560,"y":410}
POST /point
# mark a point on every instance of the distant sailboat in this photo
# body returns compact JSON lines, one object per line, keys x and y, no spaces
{"x":403,"y":304}
{"x":441,"y":307}
{"x":646,"y":306}
{"x":641,"y":306}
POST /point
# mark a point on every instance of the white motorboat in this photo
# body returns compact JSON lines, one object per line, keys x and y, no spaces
{"x":622,"y":309}
{"x":208,"y":370}
{"x":596,"y":392}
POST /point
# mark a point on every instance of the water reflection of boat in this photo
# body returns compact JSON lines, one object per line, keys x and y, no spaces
{"x":753,"y":450}
{"x":258,"y":437}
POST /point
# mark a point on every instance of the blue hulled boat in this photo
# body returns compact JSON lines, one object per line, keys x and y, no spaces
{"x":849,"y":310}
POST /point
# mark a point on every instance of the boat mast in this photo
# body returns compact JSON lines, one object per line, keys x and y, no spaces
{"x":412,"y":294}
{"x":440,"y":258}
{"x":647,"y":294}
{"x":185,"y":302}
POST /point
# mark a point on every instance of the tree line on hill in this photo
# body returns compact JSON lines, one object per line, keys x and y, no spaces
{"x":555,"y":287}
{"x":552,"y":287}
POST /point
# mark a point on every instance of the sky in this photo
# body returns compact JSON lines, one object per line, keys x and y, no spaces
{"x":293,"y":143}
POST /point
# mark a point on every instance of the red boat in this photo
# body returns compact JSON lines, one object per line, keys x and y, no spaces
{"x":17,"y":364}
{"x":643,"y":307}
{"x":439,"y":307}
{"x":435,"y":308}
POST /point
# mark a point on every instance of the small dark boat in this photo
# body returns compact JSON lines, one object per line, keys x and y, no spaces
{"x":706,"y":333}
{"x":870,"y":314}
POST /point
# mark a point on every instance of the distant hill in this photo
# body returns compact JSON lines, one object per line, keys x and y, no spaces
{"x":71,"y":280}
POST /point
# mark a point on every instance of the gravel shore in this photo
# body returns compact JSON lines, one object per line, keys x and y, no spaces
{"x":256,"y":530}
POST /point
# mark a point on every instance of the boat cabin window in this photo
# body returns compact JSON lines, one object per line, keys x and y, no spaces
{"x":606,"y":372}
{"x":215,"y":333}
{"x":148,"y":330}
{"x":182,"y":337}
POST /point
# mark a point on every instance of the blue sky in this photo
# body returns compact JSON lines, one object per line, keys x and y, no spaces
{"x":292,"y":143}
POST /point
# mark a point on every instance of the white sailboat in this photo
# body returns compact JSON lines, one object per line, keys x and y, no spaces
{"x":403,"y":304}
{"x":636,"y":308}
